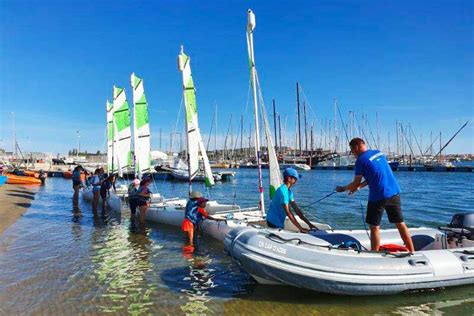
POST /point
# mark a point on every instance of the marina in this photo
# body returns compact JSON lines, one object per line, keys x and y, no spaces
{"x":197,"y":162}
{"x":108,"y":265}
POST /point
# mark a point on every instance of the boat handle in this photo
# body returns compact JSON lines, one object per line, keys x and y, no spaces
{"x":467,"y":258}
{"x":414,"y":262}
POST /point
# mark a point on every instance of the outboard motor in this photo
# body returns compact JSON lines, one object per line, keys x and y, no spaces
{"x":462,"y":225}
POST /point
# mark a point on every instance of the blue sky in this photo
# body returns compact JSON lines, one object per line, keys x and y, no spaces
{"x":410,"y":61}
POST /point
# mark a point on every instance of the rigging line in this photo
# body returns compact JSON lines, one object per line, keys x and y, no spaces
{"x":429,"y":147}
{"x":363,"y":131}
{"x":323,"y":198}
{"x":362,"y":214}
{"x":176,"y":123}
{"x":343,"y":124}
{"x":308,"y":103}
{"x":449,"y":141}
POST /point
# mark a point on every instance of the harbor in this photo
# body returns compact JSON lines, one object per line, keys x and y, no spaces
{"x":97,"y":265}
{"x":209,"y":158}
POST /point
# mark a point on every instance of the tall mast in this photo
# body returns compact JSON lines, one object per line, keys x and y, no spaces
{"x":335,"y":125}
{"x":215,"y":133}
{"x":305,"y":127}
{"x":298,"y":116}
{"x":279,"y":130}
{"x":250,"y":28}
{"x":241,"y":134}
{"x":275,"y":126}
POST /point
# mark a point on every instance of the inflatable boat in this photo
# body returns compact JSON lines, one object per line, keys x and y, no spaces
{"x":339,"y":262}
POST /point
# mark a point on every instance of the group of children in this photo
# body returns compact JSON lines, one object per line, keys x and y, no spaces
{"x":139,"y":196}
{"x":100,"y":182}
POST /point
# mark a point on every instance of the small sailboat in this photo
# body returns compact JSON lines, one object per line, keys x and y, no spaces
{"x":254,"y":216}
{"x":171,"y":212}
{"x":119,"y":155}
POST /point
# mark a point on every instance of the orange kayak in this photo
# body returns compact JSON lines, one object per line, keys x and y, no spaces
{"x":67,"y":174}
{"x":14,"y":179}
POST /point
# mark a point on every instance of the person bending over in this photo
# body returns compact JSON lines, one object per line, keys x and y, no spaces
{"x":384,"y":192}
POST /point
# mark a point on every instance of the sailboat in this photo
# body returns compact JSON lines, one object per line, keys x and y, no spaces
{"x":119,"y":155}
{"x":172,"y":212}
{"x":234,"y":215}
{"x":195,"y":144}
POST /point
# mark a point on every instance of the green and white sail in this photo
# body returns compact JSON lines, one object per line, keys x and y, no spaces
{"x":112,"y":165}
{"x":273,"y":165}
{"x":122,"y":130}
{"x":194,"y":139}
{"x":141,"y":127}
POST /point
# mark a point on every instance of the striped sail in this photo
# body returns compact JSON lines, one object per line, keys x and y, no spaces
{"x":111,"y":156}
{"x":141,"y":131}
{"x":123,"y":131}
{"x":194,"y":139}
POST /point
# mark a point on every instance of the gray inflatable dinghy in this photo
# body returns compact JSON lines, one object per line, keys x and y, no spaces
{"x":338,"y":262}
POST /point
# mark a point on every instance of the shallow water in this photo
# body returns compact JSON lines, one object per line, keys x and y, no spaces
{"x":59,"y":259}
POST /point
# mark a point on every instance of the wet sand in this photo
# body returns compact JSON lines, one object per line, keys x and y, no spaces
{"x":14,"y":201}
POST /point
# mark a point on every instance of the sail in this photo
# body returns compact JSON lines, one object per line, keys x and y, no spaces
{"x":111,"y":156}
{"x":141,"y":131}
{"x":194,"y":139}
{"x":123,"y":131}
{"x":273,"y":166}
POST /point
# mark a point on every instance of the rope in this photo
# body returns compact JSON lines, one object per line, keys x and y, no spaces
{"x":317,"y":201}
{"x":362,"y":214}
{"x":273,"y":236}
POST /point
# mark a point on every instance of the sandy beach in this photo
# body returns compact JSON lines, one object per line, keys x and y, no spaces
{"x":14,"y":201}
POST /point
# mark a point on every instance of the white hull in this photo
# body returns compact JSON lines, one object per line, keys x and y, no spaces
{"x":113,"y":202}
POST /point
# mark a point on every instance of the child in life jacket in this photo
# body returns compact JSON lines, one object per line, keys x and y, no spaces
{"x":195,"y":212}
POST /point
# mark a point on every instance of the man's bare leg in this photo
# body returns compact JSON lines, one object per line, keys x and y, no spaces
{"x":405,"y":234}
{"x":374,"y":237}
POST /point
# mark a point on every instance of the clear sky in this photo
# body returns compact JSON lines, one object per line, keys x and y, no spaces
{"x":410,"y":61}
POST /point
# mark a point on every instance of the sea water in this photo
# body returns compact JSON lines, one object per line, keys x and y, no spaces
{"x":60,"y":259}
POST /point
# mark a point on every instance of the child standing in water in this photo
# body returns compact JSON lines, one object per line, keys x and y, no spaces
{"x":195,"y":211}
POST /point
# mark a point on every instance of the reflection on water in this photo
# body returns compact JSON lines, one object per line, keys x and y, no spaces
{"x":60,"y":259}
{"x":200,"y":280}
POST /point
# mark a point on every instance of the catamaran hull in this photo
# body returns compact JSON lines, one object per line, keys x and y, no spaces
{"x":113,"y":202}
{"x":305,"y":261}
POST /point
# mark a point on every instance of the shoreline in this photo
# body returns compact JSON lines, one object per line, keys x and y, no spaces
{"x":14,"y":202}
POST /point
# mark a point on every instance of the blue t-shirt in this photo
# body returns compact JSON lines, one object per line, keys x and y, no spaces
{"x":373,"y":166}
{"x":277,"y":214}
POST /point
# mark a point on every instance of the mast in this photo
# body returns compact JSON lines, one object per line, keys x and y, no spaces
{"x":298,"y":116}
{"x":275,"y":126}
{"x":250,"y":28}
{"x":335,"y":125}
{"x":305,"y":127}
{"x":241,"y":134}
{"x":279,"y":130}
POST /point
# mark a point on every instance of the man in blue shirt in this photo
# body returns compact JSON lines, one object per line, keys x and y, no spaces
{"x":281,"y":201}
{"x":384,"y":191}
